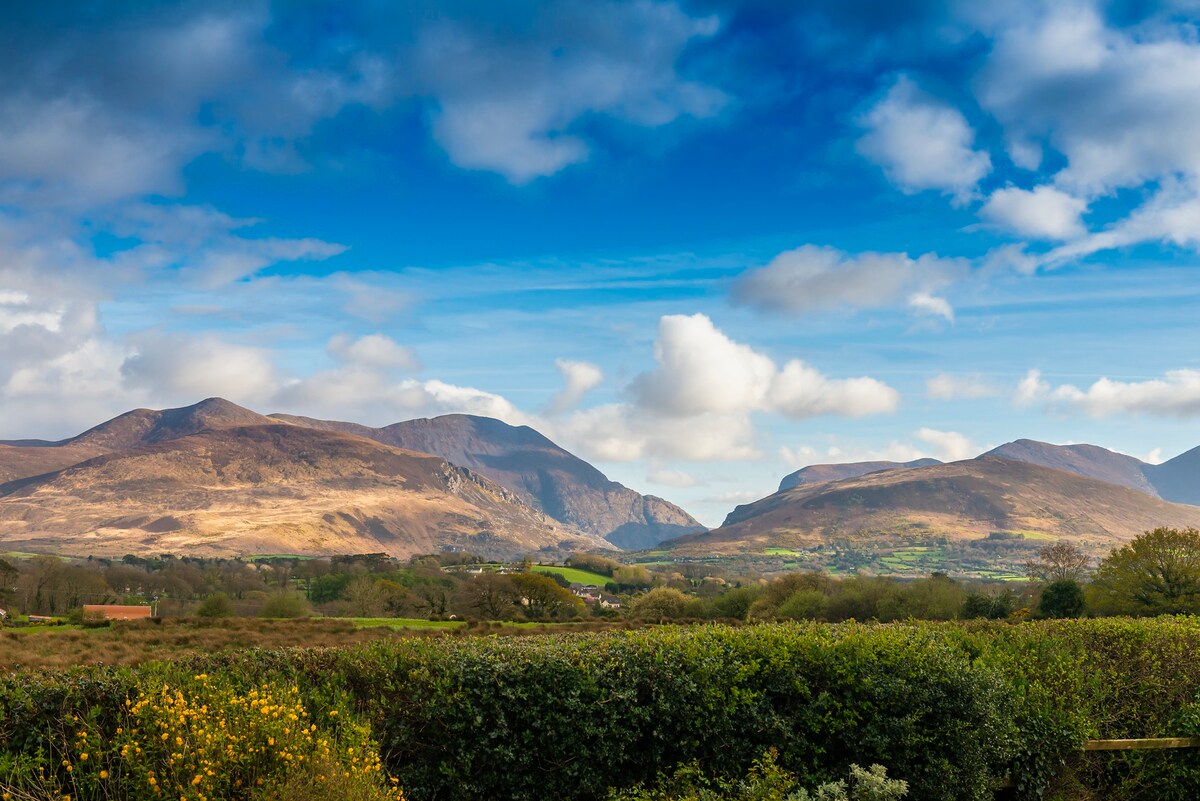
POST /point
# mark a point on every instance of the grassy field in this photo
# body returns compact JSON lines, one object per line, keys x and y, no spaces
{"x":574,"y":576}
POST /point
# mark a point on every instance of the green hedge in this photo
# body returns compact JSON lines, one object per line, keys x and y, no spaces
{"x":948,"y":708}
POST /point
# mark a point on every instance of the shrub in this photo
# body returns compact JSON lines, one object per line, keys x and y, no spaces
{"x":285,"y":605}
{"x":216,"y":605}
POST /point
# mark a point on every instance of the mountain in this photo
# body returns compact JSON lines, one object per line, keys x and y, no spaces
{"x":24,"y":458}
{"x":820,"y":473}
{"x":213,"y":480}
{"x":1084,"y":460}
{"x":541,"y":473}
{"x":1177,"y":479}
{"x":960,"y":501}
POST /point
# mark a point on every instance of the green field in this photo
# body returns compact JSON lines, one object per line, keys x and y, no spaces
{"x":574,"y":576}
{"x":774,"y":551}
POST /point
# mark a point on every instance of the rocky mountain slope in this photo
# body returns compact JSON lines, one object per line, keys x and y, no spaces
{"x":214,"y":479}
{"x":541,"y":473}
{"x":967,"y":500}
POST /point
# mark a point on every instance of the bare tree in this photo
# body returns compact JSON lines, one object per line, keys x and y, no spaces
{"x":1059,"y":562}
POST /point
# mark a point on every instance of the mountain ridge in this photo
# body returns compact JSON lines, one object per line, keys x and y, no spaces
{"x":542,"y":473}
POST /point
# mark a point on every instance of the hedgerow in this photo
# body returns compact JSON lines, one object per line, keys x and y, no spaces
{"x":947,"y":708}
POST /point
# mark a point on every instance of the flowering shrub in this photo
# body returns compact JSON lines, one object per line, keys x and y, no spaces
{"x":206,"y":740}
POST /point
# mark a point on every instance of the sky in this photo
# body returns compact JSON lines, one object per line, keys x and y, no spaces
{"x":699,"y":243}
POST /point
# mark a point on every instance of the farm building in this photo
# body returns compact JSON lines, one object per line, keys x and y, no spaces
{"x":114,"y":612}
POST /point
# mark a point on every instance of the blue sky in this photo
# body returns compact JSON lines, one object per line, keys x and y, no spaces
{"x":699,"y":243}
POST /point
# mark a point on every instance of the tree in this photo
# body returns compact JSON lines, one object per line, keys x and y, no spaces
{"x":285,"y":605}
{"x":492,"y":596}
{"x":542,"y":597}
{"x":1157,"y":573}
{"x":364,"y":597}
{"x":1061,"y":561}
{"x":1062,"y":598}
{"x":660,"y":603}
{"x":216,"y":605}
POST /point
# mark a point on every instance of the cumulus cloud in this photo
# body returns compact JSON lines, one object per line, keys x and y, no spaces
{"x":620,"y":432}
{"x":812,"y":278}
{"x":374,"y":351}
{"x":700,"y":370}
{"x":512,"y":105}
{"x":922,"y":143}
{"x":696,"y":404}
{"x":579,"y":378}
{"x":1041,"y":213}
{"x":959,"y":387}
{"x":1119,"y":105}
{"x":1176,"y":395}
{"x":184,"y":369}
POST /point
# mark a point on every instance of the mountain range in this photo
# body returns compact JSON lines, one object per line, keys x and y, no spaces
{"x":216,"y":478}
{"x":541,"y":473}
{"x":1025,"y":489}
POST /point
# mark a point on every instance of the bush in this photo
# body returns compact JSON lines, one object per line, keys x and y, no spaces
{"x":216,"y":605}
{"x":285,"y":605}
{"x":946,"y":707}
{"x":766,"y":781}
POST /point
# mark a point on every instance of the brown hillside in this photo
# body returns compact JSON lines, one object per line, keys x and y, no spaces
{"x":24,"y":458}
{"x":271,"y":489}
{"x":541,"y":473}
{"x":961,"y":501}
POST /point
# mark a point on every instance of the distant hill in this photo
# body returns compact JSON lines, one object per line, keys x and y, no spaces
{"x":820,"y":473}
{"x":23,"y":458}
{"x":541,"y":473}
{"x":1085,"y":460}
{"x":213,"y":480}
{"x":1176,"y":480}
{"x":964,"y":500}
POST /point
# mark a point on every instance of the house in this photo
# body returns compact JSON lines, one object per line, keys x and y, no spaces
{"x":114,"y":612}
{"x":609,"y":601}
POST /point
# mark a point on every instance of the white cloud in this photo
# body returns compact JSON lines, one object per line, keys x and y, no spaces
{"x":1176,"y":394}
{"x":811,"y":278}
{"x":1171,"y":216}
{"x":622,"y":433}
{"x":579,"y":378}
{"x":800,"y":391}
{"x":922,"y":143}
{"x":1041,"y":213}
{"x":959,"y":387}
{"x":702,"y":371}
{"x":1119,"y":105}
{"x":1031,"y":389}
{"x":931,"y":305}
{"x":667,"y":477}
{"x":948,"y":446}
{"x":373,"y":351}
{"x":512,"y":106}
{"x":184,"y":370}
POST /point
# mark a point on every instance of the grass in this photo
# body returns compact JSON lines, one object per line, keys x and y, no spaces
{"x":775,"y":551}
{"x":574,"y":576}
{"x":133,"y":642}
{"x":414,"y":623}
